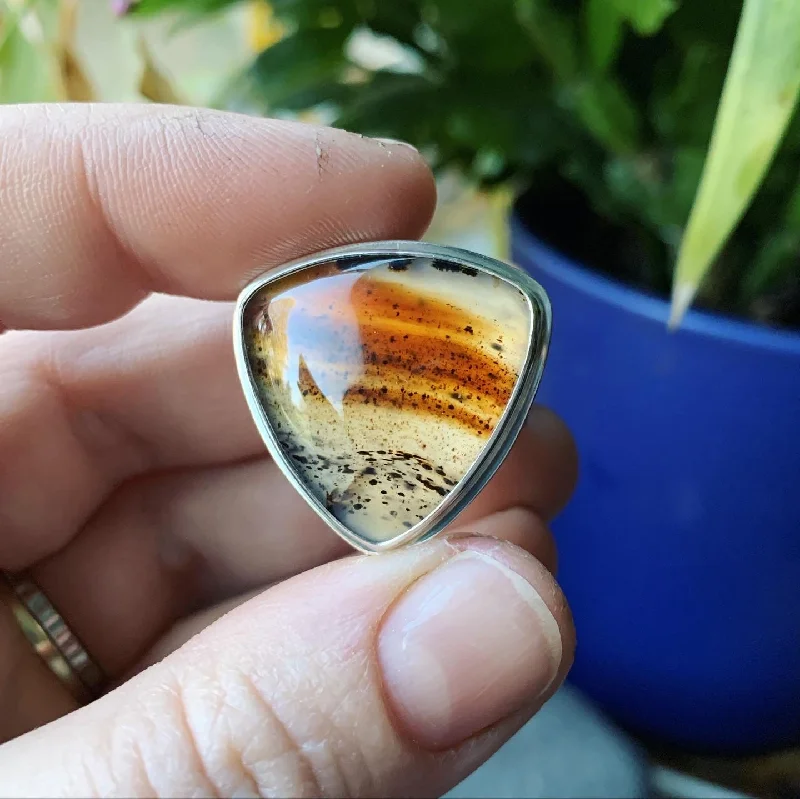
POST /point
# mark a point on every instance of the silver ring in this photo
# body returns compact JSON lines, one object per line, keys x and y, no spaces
{"x":432,"y":270}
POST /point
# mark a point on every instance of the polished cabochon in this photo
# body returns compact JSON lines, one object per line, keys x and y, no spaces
{"x":389,"y":380}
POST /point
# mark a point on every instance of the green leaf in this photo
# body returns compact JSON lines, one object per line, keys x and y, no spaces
{"x":646,"y":16}
{"x":607,"y":112}
{"x":772,"y":262}
{"x":686,"y":93}
{"x":191,"y":7}
{"x":530,"y":137}
{"x":479,"y":35}
{"x":299,"y":63}
{"x":604,"y":30}
{"x":757,"y":102}
{"x":687,"y":170}
{"x":712,"y":22}
{"x":453,"y":128}
{"x":660,"y":190}
{"x":778,"y":255}
{"x":406,"y":107}
{"x":28,"y":69}
{"x":552,"y":34}
{"x":398,"y":20}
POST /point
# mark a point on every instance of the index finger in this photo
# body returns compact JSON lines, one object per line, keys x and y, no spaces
{"x":103,"y":204}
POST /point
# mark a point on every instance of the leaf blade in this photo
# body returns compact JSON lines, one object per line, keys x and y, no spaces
{"x":646,"y":16}
{"x":603,"y":25}
{"x":758,"y":99}
{"x":29,"y":70}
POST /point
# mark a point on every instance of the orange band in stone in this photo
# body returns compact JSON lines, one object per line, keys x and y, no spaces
{"x":50,"y":638}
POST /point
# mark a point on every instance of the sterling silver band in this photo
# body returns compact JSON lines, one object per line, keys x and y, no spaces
{"x":507,"y":428}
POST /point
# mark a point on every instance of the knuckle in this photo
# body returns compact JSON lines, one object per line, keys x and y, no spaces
{"x":277,"y":759}
{"x":155,"y":749}
{"x":241,"y":726}
{"x":235,"y":741}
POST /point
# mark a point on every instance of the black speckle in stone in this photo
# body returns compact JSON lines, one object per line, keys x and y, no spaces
{"x":449,"y":266}
{"x":498,"y":347}
{"x":369,"y":470}
{"x":407,"y":525}
{"x":400,"y":265}
{"x":429,"y":484}
{"x":468,"y":329}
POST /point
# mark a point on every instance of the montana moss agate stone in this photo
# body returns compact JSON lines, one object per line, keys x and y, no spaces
{"x":381,"y":379}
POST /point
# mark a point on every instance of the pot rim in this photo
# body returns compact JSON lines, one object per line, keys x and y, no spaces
{"x":655,"y":309}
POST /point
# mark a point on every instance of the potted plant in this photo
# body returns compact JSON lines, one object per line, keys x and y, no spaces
{"x":634,"y":135}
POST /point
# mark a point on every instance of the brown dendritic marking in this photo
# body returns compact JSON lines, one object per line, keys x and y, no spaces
{"x":383,"y":381}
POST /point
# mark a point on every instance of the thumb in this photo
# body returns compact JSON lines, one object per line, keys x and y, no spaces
{"x":389,"y":675}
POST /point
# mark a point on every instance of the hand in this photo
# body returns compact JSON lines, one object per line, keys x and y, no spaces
{"x":135,"y":488}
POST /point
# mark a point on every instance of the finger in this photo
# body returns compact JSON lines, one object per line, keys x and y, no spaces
{"x":223,"y":514}
{"x":540,"y":471}
{"x":79,"y":413}
{"x":85,"y":409}
{"x":166,"y":545}
{"x":517,"y":526}
{"x":394,"y":675}
{"x":521,"y":527}
{"x":104,"y":203}
{"x":29,"y":695}
{"x":82,"y":411}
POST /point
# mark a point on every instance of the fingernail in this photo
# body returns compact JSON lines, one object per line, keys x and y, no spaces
{"x":468,"y":644}
{"x":396,"y":142}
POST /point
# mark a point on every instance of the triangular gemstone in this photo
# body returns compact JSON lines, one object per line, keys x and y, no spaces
{"x":379,"y":381}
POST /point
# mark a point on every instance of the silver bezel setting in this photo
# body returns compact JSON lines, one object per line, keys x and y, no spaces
{"x":507,"y":428}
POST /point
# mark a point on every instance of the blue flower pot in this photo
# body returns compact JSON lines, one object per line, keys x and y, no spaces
{"x":680,"y":551}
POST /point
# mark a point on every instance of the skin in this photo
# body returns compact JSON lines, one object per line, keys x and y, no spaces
{"x":249,"y":651}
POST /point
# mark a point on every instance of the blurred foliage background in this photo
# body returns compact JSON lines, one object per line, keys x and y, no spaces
{"x":600,"y":112}
{"x":597,"y":114}
{"x":80,"y":50}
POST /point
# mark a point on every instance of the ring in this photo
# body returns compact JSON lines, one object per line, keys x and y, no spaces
{"x":389,"y":380}
{"x":51,"y":638}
